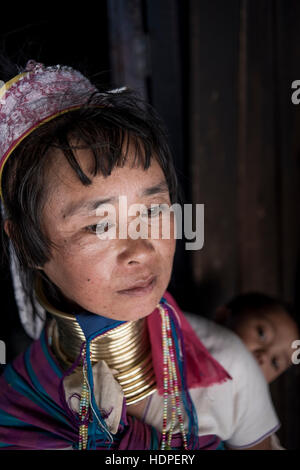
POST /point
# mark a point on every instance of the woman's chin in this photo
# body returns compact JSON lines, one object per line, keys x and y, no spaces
{"x":136,"y":314}
{"x":128,"y":306}
{"x":132,"y":310}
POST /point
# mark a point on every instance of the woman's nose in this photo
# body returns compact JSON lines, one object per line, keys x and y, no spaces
{"x":136,"y":251}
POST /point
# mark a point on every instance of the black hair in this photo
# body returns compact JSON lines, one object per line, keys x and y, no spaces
{"x":106,"y":127}
{"x":259,"y":302}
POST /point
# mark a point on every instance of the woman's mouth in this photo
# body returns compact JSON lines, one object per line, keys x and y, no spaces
{"x":140,"y":287}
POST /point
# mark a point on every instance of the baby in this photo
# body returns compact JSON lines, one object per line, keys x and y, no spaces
{"x":267,"y":326}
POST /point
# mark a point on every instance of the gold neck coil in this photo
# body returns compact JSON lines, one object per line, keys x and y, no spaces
{"x":126,"y":349}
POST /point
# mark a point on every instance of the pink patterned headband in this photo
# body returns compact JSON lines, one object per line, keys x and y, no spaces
{"x":34,"y":97}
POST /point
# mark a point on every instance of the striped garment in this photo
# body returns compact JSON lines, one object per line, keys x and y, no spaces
{"x":34,"y":417}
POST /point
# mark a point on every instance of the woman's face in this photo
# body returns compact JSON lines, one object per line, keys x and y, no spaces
{"x":269,"y":336}
{"x":122,"y":279}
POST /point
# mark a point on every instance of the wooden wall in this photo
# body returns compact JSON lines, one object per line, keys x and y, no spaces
{"x":220,"y":74}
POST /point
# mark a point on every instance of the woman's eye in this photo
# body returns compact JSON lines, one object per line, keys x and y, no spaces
{"x":153,"y":211}
{"x":91,"y":228}
{"x":99,"y":228}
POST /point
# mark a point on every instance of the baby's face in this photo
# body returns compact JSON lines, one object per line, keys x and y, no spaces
{"x":269,"y":337}
{"x":122,"y":279}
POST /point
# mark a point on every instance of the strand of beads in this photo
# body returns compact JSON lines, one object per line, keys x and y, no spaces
{"x":170,"y":384}
{"x":173,"y":404}
{"x":175,"y":379}
{"x":165,"y":378}
{"x":84,"y":411}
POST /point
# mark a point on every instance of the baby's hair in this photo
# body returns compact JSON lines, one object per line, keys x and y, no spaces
{"x":259,"y":302}
{"x":106,"y":125}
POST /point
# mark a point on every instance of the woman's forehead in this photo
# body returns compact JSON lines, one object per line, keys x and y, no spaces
{"x":67,"y":193}
{"x":131,"y":168}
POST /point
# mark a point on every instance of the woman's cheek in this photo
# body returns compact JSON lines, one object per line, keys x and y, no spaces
{"x":83,"y":247}
{"x":169,"y":247}
{"x":79,"y":263}
{"x":166,"y":250}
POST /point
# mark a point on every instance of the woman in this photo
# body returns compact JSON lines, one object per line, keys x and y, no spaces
{"x":117,"y":365}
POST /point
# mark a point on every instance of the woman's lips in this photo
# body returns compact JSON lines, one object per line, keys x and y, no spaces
{"x":140,"y":288}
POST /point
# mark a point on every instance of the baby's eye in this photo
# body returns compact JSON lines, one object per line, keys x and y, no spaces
{"x":261,"y":332}
{"x":275,"y":363}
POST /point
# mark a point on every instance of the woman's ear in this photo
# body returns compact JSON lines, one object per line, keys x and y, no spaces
{"x":222,"y":315}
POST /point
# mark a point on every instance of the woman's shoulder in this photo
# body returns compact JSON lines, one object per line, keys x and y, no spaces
{"x":225,"y":346}
{"x":216,"y":338}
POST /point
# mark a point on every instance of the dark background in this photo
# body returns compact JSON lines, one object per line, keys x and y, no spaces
{"x":220,"y":74}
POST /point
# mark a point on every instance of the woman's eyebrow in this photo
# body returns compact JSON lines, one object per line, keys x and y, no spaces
{"x":88,"y":206}
{"x":159,"y":188}
{"x":92,"y":205}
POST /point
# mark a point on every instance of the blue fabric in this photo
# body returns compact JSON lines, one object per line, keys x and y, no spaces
{"x":39,"y":397}
{"x":92,"y":324}
{"x":221,"y":446}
